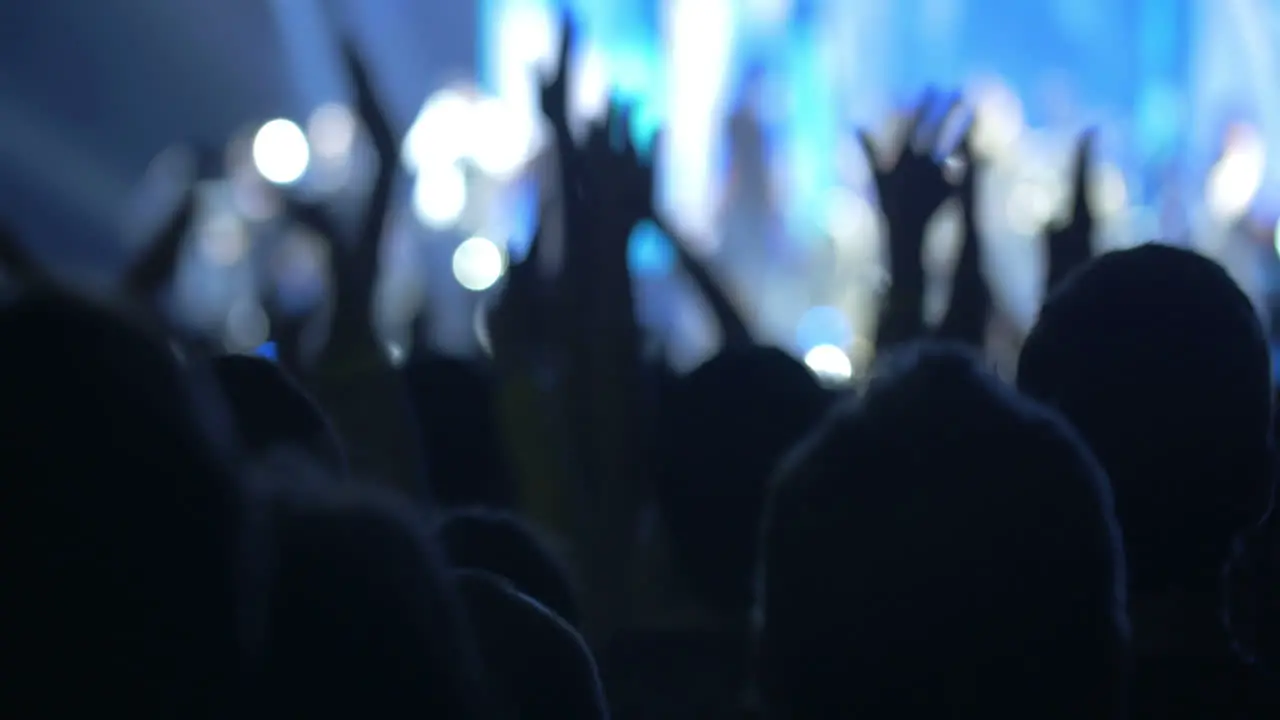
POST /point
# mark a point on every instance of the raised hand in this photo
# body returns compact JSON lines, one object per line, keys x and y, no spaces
{"x":912,"y":185}
{"x":354,"y":265}
{"x":521,"y":318}
{"x":352,"y":376}
{"x":1070,"y":242}
{"x":554,"y":88}
{"x":616,"y":180}
{"x":970,"y":307}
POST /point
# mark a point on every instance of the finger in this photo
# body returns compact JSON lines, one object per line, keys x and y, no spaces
{"x":1080,"y":175}
{"x":935,"y":124}
{"x":870,"y":150}
{"x":965,"y":154}
{"x":618,"y":124}
{"x":370,"y":109}
{"x":159,"y":262}
{"x":920,"y":116}
{"x":568,"y":41}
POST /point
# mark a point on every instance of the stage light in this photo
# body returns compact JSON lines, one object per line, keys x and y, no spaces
{"x":829,"y":363}
{"x":440,"y":195}
{"x":478,"y":263}
{"x":441,"y":134}
{"x":1235,"y":180}
{"x":500,"y":137}
{"x":280,"y":152}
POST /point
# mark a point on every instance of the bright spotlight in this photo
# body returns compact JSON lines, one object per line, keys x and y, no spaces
{"x":280,"y":152}
{"x":500,"y":137}
{"x":829,"y":363}
{"x":440,"y":195}
{"x":442,"y":133}
{"x":1235,"y":180}
{"x":478,"y":264}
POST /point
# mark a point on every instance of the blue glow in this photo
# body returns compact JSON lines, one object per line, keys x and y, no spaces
{"x":267,"y":350}
{"x":649,"y":252}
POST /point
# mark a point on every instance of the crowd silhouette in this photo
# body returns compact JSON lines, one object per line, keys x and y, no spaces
{"x":571,"y":530}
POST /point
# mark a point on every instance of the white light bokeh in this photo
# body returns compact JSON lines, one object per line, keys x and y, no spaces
{"x":280,"y":152}
{"x":1030,"y":205}
{"x":998,"y":119}
{"x":331,"y":130}
{"x":247,"y":325}
{"x":1235,"y":180}
{"x":478,"y":263}
{"x":829,"y":363}
{"x":440,"y":195}
{"x":442,"y":133}
{"x":591,"y":89}
{"x":223,"y":240}
{"x":500,"y":137}
{"x":396,"y":354}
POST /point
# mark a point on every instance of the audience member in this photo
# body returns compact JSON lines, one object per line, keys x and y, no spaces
{"x":504,"y":544}
{"x":1159,"y":360}
{"x":364,"y":619}
{"x":127,"y":575}
{"x":536,"y":662}
{"x":272,"y":411}
{"x":942,"y":548}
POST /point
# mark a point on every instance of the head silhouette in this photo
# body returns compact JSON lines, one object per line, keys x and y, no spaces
{"x":724,"y":428}
{"x":538,"y":664}
{"x":126,"y":583}
{"x":364,"y":620}
{"x":1159,"y":360}
{"x":942,"y":547}
{"x":271,"y":411}
{"x":505,"y":545}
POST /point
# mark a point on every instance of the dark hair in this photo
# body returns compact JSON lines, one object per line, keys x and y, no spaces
{"x":129,"y":580}
{"x":506,"y":545}
{"x":724,"y":428}
{"x":536,"y":661}
{"x":1159,"y":360}
{"x":272,"y":411}
{"x":942,"y":547}
{"x":364,"y":619}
